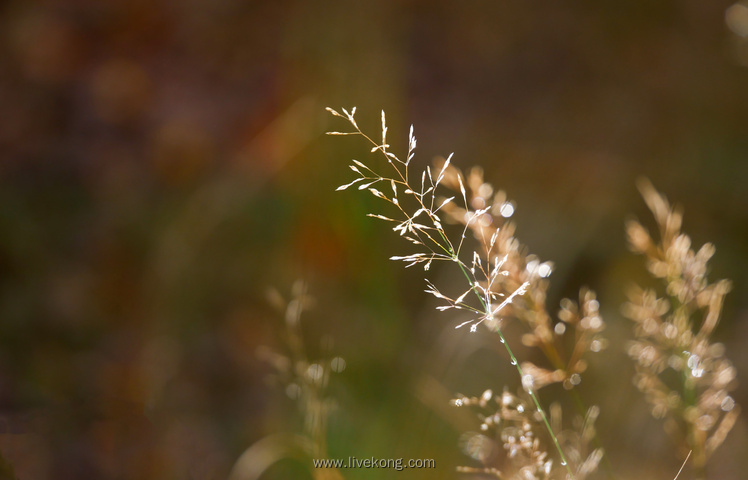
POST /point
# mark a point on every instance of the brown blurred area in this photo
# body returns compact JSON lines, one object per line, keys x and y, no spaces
{"x":162,"y":163}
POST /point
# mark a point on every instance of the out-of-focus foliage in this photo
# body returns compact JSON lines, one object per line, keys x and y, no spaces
{"x":162,"y":163}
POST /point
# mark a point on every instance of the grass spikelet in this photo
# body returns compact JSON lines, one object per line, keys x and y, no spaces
{"x":672,"y":331}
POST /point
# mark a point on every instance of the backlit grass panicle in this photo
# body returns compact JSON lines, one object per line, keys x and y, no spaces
{"x":579,"y":320}
{"x":498,"y":274}
{"x":510,"y":442}
{"x":303,"y":379}
{"x":684,"y":376}
{"x":418,"y":220}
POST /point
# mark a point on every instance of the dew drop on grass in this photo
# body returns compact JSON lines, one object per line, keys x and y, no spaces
{"x":337,"y":364}
{"x":528,"y":382}
{"x":315,"y":371}
{"x":544,"y":270}
{"x":693,"y":361}
{"x":705,"y":422}
{"x":507,"y":210}
{"x":727,"y":404}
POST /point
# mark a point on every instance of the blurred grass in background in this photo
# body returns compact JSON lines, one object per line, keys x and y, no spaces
{"x":163,"y":163}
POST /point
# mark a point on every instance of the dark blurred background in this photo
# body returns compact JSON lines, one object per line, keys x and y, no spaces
{"x":162,"y":163}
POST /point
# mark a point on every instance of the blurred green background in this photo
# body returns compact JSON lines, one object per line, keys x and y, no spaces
{"x":163,"y":163}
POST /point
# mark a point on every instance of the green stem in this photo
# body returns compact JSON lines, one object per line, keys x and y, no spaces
{"x":537,"y":405}
{"x":530,"y":391}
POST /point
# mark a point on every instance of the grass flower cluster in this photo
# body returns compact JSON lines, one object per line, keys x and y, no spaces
{"x":511,"y":422}
{"x":304,"y":380}
{"x":684,"y":376}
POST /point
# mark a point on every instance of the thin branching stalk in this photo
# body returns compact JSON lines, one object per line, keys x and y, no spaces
{"x":422,"y":226}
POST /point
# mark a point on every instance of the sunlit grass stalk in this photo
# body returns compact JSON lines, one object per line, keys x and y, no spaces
{"x":433,"y":237}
